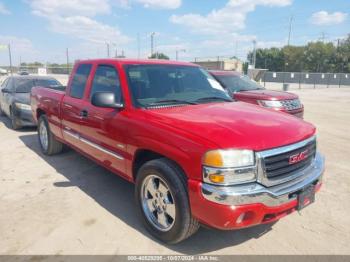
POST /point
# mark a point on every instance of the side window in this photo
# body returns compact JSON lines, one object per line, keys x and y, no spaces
{"x":9,"y":85}
{"x":79,"y":80}
{"x":3,"y":85}
{"x":106,"y":79}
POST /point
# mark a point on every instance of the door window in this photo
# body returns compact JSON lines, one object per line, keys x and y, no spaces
{"x":79,"y":81}
{"x":106,"y":79}
{"x":3,"y":85}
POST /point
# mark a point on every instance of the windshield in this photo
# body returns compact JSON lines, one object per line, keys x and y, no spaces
{"x":24,"y":85}
{"x":153,"y":85}
{"x":236,"y":83}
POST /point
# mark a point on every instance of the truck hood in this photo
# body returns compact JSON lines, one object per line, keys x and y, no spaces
{"x":235,"y":125}
{"x":265,"y":95}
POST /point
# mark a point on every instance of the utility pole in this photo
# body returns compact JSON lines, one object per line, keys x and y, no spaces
{"x":138,"y":46}
{"x":10,"y":57}
{"x":177,"y":53}
{"x":290,"y":29}
{"x":236,"y":48}
{"x":254,"y":54}
{"x":152,"y":43}
{"x":107,"y":45}
{"x":67,"y":57}
{"x":323,"y":36}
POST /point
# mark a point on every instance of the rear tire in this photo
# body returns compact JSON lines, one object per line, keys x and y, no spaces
{"x":13,"y":118}
{"x":48,"y":143}
{"x":171,"y":221}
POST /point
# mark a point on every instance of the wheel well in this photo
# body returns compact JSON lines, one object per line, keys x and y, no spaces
{"x":142,"y":156}
{"x":39,"y":113}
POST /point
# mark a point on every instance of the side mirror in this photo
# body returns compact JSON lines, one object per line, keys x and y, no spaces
{"x":105,"y":99}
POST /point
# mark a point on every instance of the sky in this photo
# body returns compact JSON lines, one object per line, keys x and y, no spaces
{"x":42,"y":30}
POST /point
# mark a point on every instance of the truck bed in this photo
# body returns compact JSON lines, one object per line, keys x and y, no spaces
{"x":48,"y":100}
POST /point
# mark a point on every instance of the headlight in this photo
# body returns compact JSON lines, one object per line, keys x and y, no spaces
{"x":270,"y":103}
{"x":228,"y":167}
{"x":23,"y":106}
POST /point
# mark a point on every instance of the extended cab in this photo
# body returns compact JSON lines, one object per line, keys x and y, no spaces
{"x":242,"y":88}
{"x":195,"y":155}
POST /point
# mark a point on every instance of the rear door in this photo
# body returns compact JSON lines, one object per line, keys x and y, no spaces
{"x":72,"y":103}
{"x":102,"y":129}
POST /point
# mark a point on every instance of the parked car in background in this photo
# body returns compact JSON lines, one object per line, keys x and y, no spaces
{"x":15,"y":98}
{"x":242,"y":88}
{"x":3,"y":71}
{"x":23,"y":72}
{"x":196,"y":156}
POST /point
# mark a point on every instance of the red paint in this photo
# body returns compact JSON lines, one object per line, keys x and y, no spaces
{"x":224,"y":217}
{"x":254,"y":96}
{"x":182,"y":134}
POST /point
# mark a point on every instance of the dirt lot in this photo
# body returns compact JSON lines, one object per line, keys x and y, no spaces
{"x":68,"y":205}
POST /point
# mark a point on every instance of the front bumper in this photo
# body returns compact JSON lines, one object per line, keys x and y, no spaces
{"x":24,"y":117}
{"x":221,"y":206}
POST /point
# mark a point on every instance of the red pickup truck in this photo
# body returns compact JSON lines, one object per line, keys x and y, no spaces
{"x":242,"y":88}
{"x":195,"y":155}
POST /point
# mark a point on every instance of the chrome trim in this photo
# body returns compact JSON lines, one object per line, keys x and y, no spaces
{"x":285,"y":149}
{"x":104,"y":150}
{"x":71,"y":134}
{"x":251,"y":170}
{"x":269,"y":196}
{"x":262,"y":178}
{"x":88,"y":142}
{"x":68,"y":106}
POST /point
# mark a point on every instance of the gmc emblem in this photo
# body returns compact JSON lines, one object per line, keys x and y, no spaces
{"x":298,"y":157}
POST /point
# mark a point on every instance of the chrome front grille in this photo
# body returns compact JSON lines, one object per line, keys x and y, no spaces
{"x":283,"y":164}
{"x":291,"y":104}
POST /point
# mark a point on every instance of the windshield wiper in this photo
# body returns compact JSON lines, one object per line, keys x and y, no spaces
{"x":171,"y":101}
{"x":209,"y":98}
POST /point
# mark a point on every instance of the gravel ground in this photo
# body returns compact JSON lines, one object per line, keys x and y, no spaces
{"x":66,"y":204}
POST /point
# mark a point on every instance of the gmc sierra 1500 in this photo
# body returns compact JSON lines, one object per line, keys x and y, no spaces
{"x":195,"y":155}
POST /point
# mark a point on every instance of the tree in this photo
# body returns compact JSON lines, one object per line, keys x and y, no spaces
{"x":313,"y":57}
{"x":159,"y":56}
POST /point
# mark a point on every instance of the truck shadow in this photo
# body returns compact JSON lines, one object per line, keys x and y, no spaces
{"x":117,"y":196}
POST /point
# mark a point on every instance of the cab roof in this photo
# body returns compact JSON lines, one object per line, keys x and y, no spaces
{"x":128,"y":61}
{"x":224,"y":73}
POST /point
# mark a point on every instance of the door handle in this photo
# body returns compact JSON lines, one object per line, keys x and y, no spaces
{"x":84,"y":113}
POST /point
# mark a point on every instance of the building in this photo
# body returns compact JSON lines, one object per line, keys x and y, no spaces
{"x":229,"y":64}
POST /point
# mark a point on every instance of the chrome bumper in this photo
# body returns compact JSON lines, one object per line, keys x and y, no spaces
{"x":269,"y":196}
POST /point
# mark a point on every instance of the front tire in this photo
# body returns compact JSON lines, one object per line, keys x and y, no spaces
{"x":162,"y":201}
{"x":48,"y":143}
{"x":14,"y":120}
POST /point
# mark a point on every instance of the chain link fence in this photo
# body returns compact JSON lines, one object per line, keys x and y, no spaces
{"x":59,"y":70}
{"x":310,"y":79}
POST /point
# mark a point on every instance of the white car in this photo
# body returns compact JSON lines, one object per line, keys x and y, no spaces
{"x":3,"y":71}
